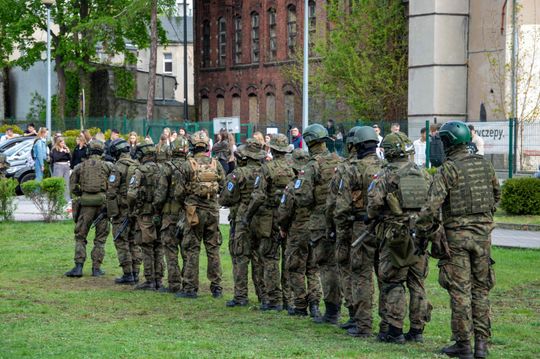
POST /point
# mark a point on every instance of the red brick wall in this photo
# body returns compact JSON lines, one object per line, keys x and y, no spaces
{"x":247,"y":78}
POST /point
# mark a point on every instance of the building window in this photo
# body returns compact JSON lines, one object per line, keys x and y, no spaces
{"x":236,"y":105}
{"x":206,"y":44}
{"x":237,"y":40}
{"x":270,"y":108}
{"x":220,"y":106}
{"x":253,"y":109}
{"x":312,"y":26}
{"x":291,"y":30}
{"x":205,"y":109}
{"x":222,"y":41}
{"x":254,"y":37}
{"x":272,"y":34}
{"x":289,"y":107}
{"x":167,"y":63}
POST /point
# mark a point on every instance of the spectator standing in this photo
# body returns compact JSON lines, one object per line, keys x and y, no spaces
{"x":173,"y":137}
{"x":60,"y":161}
{"x":79,"y":152}
{"x":87,"y":136}
{"x":221,"y":149}
{"x":380,"y":150}
{"x":39,"y":150}
{"x":477,"y":141}
{"x":258,"y":136}
{"x":115,"y":134}
{"x":167,"y":133}
{"x":210,"y":141}
{"x":395,"y":127}
{"x":30,"y":130}
{"x":9,"y":135}
{"x":420,"y":149}
{"x":339,"y":140}
{"x":233,"y":148}
{"x":296,"y":138}
{"x":330,"y":144}
{"x":436,"y":147}
{"x":132,"y":141}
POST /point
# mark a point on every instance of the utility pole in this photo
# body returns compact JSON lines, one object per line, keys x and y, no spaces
{"x":186,"y":112}
{"x":305,"y":90}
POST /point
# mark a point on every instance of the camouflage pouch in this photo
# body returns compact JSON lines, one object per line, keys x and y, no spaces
{"x":439,"y":244}
{"x":92,"y":199}
{"x":401,"y":245}
{"x":192,"y":218}
{"x":112,"y":207}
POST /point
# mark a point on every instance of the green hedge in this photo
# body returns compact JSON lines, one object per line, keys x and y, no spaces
{"x":521,"y":196}
{"x":16,"y":129}
{"x":7,"y":198}
{"x":47,"y":195}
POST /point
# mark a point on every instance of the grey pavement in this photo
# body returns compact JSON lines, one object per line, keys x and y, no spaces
{"x":26,"y":211}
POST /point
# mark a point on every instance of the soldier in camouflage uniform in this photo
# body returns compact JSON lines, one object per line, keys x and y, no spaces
{"x":142,"y":203}
{"x":299,"y":262}
{"x":203,"y":178}
{"x":124,"y":228}
{"x":172,"y":214}
{"x":342,"y":251}
{"x":394,"y":199}
{"x":351,"y":202}
{"x":244,"y":244}
{"x":88,"y":182}
{"x":4,"y":165}
{"x":467,"y":190}
{"x":268,"y":189}
{"x":310,"y":192}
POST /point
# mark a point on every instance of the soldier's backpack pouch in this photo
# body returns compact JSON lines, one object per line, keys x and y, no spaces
{"x":93,"y":199}
{"x":401,"y":245}
{"x":112,"y":207}
{"x":439,"y":244}
{"x":192,"y":218}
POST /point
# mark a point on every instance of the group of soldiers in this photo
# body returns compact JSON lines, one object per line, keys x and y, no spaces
{"x":310,"y":226}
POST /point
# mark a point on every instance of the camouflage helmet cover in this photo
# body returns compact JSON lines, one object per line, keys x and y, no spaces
{"x":180,"y":146}
{"x":96,"y":147}
{"x":200,"y":139}
{"x":397,"y":144}
{"x":299,"y":159}
{"x":163,"y":153}
{"x":253,"y":150}
{"x":315,"y":133}
{"x":146,"y":148}
{"x":280,"y":143}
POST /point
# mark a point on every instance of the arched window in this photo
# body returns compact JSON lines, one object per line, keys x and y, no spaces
{"x":291,"y":30}
{"x":289,"y":107}
{"x":220,"y":106}
{"x":237,"y":57}
{"x":205,"y":108}
{"x":254,"y":37}
{"x":205,"y":51}
{"x":272,"y":35}
{"x":253,"y":102}
{"x":270,"y":108}
{"x":222,"y":41}
{"x":312,"y":26}
{"x":236,"y":105}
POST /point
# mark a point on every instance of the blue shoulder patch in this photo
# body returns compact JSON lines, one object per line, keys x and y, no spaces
{"x":298,"y":184}
{"x":230,"y":186}
{"x":371,"y":185}
{"x":112,"y":178}
{"x":341,"y":183}
{"x":132,"y":180}
{"x":257,"y":181}
{"x":283,"y":198}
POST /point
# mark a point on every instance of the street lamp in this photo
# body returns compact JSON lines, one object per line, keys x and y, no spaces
{"x":48,"y":4}
{"x":305,"y":91}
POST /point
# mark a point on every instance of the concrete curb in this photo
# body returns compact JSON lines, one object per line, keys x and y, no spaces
{"x":518,"y":227}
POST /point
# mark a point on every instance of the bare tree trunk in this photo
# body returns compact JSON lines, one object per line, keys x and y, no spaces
{"x":153,"y":62}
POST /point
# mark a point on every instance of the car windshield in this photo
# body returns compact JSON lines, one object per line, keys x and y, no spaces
{"x":19,"y":147}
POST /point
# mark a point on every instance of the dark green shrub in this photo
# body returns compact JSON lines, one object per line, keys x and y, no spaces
{"x":16,"y":129}
{"x":521,"y":196}
{"x":7,"y":198}
{"x":47,"y":195}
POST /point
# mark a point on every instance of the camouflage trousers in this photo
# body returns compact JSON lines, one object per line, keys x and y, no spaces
{"x":171,"y":243}
{"x":343,"y":254}
{"x":392,"y":292}
{"x":302,"y":270}
{"x":128,"y":251}
{"x":286,"y":290}
{"x":86,"y":216}
{"x":324,"y":254}
{"x":152,"y":249}
{"x":243,"y":245}
{"x":269,"y":252}
{"x":468,"y":276}
{"x":206,"y":231}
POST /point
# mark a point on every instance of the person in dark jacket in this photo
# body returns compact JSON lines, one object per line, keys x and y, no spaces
{"x":79,"y":152}
{"x":60,"y":160}
{"x":221,"y":150}
{"x":296,"y":138}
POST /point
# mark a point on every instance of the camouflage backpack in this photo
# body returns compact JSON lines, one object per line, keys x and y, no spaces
{"x":411,"y":189}
{"x":93,"y":176}
{"x":150,"y":178}
{"x":205,"y":177}
{"x":281,"y":173}
{"x":327,"y":165}
{"x":365,"y":172}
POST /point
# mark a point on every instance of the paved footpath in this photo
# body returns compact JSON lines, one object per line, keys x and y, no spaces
{"x":26,"y":211}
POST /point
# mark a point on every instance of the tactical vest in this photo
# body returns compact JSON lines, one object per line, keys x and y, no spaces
{"x":205,"y":177}
{"x":327,"y":167}
{"x":280,"y":175}
{"x":172,"y":206}
{"x":93,"y":176}
{"x":149,"y":180}
{"x":408,"y":189}
{"x":126,"y":166}
{"x":365,"y":171}
{"x":249,"y":173}
{"x":474,"y":191}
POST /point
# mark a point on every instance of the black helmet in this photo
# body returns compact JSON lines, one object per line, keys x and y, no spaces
{"x":454,"y":133}
{"x":365,"y":134}
{"x":350,"y":135}
{"x":118,"y":147}
{"x":315,"y":133}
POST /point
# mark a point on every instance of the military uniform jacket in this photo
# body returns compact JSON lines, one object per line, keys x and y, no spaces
{"x":289,"y":215}
{"x":77,"y":176}
{"x":170,"y":175}
{"x":141,"y":191}
{"x":239,"y":186}
{"x":121,"y":173}
{"x":467,"y":190}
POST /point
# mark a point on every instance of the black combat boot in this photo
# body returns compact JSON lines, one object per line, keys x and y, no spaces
{"x":268,"y":307}
{"x":159,"y":284}
{"x":97,"y":272}
{"x":136,"y":277}
{"x":349,"y":323}
{"x":237,"y":303}
{"x":314,"y":310}
{"x":217,"y":293}
{"x":331,"y":315}
{"x":127,"y":278}
{"x":358,"y":333}
{"x":480,"y":348}
{"x":394,"y":335}
{"x":148,"y":285}
{"x":185,"y":294}
{"x":415,"y":335}
{"x":299,"y":312}
{"x":76,"y":272}
{"x":461,"y":349}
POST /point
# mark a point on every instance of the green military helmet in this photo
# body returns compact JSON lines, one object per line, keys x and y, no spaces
{"x":315,"y":133}
{"x":180,"y":147}
{"x":95,"y":147}
{"x":280,"y":143}
{"x":199,"y":139}
{"x":300,"y":158}
{"x":254,"y":150}
{"x":350,"y":135}
{"x":365,"y":134}
{"x":118,"y":147}
{"x":146,"y":148}
{"x":396,"y":145}
{"x":240,"y":152}
{"x":163,"y":153}
{"x":455,"y":133}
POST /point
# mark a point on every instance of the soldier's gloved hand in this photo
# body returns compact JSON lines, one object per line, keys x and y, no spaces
{"x":156,"y":220}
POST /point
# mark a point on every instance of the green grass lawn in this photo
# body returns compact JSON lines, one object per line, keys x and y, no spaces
{"x":44,"y":314}
{"x":503,"y":217}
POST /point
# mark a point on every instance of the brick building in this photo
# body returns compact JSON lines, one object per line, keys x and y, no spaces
{"x":241,"y":47}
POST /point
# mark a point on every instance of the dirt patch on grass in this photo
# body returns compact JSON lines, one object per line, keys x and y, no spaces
{"x":523,"y":296}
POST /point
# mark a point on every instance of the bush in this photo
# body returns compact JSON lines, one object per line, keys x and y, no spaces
{"x":47,"y":195}
{"x":7,"y":198}
{"x":16,"y":129}
{"x":521,"y":196}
